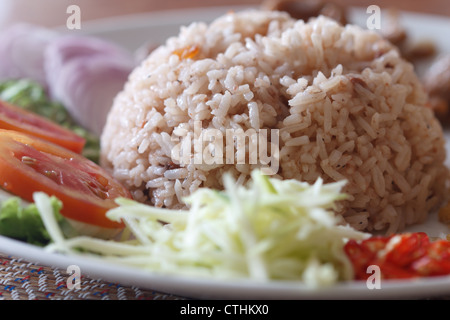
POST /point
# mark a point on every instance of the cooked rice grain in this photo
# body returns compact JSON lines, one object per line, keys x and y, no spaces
{"x":346,"y":104}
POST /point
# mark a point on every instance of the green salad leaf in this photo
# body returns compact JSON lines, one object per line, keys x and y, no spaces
{"x":24,"y":223}
{"x":33,"y":97}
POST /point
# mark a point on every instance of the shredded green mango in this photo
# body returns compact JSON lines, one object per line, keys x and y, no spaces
{"x":269,"y":230}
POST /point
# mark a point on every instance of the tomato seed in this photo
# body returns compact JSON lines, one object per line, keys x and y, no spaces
{"x":53,"y":175}
{"x":102,"y":180}
{"x":28,"y":161}
{"x":97,"y":192}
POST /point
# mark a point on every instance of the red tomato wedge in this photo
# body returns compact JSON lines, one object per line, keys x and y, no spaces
{"x":18,"y":119}
{"x":29,"y":164}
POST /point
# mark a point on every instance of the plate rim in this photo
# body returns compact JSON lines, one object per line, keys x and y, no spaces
{"x":188,"y":286}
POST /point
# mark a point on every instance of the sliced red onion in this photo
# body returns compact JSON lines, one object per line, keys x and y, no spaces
{"x":85,"y":74}
{"x":22,"y":49}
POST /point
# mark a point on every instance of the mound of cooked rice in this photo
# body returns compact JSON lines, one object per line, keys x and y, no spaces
{"x":346,"y":105}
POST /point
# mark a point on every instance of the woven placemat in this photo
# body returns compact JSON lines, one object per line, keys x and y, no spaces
{"x":23,"y":280}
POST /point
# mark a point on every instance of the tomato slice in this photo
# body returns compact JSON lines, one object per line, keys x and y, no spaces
{"x":18,"y":119}
{"x":29,"y":164}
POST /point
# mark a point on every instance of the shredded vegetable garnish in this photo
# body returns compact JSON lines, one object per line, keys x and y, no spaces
{"x":269,"y":230}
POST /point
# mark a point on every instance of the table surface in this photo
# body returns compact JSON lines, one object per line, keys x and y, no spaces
{"x":24,"y":280}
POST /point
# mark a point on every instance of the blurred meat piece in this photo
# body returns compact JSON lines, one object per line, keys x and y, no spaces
{"x":394,"y":31}
{"x":392,"y":28}
{"x":422,"y":49}
{"x":437,"y":77}
{"x":436,"y":81}
{"x":440,"y":108}
{"x":305,"y":9}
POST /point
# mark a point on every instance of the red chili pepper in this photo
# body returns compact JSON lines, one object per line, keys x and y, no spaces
{"x":400,"y":256}
{"x":410,"y":248}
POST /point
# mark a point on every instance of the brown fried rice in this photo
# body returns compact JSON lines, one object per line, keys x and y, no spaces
{"x":346,"y":105}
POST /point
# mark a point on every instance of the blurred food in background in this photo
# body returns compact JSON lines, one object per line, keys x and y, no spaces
{"x":306,"y":9}
{"x":436,"y":78}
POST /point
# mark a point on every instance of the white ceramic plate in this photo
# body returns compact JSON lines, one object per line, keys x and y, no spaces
{"x":132,"y":32}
